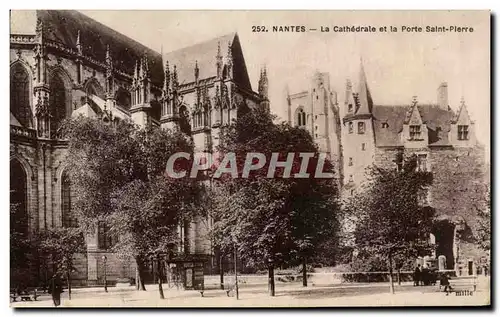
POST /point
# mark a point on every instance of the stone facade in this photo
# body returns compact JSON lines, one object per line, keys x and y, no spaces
{"x":317,"y":111}
{"x":71,"y":65}
{"x":443,"y":140}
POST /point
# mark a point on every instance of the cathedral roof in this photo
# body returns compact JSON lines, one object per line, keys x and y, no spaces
{"x":205,"y":54}
{"x":437,"y":121}
{"x":62,"y":26}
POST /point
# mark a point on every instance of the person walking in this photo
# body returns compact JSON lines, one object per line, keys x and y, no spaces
{"x":416,"y":276}
{"x":56,"y":291}
{"x":446,"y":283}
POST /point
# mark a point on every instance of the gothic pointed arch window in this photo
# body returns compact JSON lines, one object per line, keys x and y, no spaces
{"x":300,"y":117}
{"x":18,"y":198}
{"x":67,"y":202}
{"x":184,"y":120}
{"x":20,"y":95}
{"x":58,"y":100}
{"x":123,"y":99}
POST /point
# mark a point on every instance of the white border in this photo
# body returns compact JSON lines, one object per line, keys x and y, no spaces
{"x":190,"y":4}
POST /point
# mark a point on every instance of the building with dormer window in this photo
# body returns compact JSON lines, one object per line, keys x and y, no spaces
{"x":443,"y":142}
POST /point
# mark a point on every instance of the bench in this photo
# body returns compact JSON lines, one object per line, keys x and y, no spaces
{"x":29,"y":294}
{"x":231,"y":290}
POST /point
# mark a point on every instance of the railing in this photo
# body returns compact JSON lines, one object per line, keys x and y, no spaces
{"x":21,"y":131}
{"x":22,"y":39}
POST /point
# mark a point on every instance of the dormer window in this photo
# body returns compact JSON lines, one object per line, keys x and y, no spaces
{"x":349,"y":107}
{"x":463,"y":132}
{"x":351,"y":127}
{"x":385,"y":125}
{"x":415,"y":132}
{"x":361,"y":128}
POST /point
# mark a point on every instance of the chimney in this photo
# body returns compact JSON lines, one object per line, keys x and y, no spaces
{"x":442,"y":96}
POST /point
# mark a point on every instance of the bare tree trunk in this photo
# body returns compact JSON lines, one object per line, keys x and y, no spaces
{"x":137,"y":277}
{"x":140,"y":275}
{"x":304,"y":271}
{"x":160,"y":277}
{"x":391,"y":282}
{"x":68,"y":281}
{"x":221,"y":271}
{"x":271,"y":280}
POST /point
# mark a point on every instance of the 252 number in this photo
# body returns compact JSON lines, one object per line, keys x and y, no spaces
{"x":256,"y":28}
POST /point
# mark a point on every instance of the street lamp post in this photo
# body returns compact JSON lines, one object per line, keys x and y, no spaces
{"x":236,"y":273}
{"x":104,"y":259}
{"x":270,"y":263}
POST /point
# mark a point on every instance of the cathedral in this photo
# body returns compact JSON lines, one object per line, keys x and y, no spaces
{"x":71,"y":65}
{"x":442,"y":139}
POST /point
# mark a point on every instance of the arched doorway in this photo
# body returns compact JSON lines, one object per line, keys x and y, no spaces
{"x":20,"y":247}
{"x":444,"y":232}
{"x":19,"y":222}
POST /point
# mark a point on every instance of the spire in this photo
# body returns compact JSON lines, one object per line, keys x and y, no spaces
{"x":218,"y":62}
{"x":39,"y":30}
{"x":78,"y":43}
{"x":460,"y":110}
{"x":166,"y":80}
{"x":136,"y":74}
{"x":175,"y":83}
{"x":365,"y":102}
{"x":263,"y":83}
{"x":196,"y":71}
{"x":145,"y":65}
{"x":108,"y":55}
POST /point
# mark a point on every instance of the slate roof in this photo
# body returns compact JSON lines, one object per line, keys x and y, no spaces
{"x":437,"y":121}
{"x":63,"y":25}
{"x":205,"y":54}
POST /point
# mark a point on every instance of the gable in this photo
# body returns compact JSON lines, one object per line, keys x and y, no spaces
{"x":436,"y":119}
{"x":415,"y":118}
{"x":205,"y":54}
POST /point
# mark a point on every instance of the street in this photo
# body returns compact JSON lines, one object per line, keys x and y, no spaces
{"x":287,"y":295}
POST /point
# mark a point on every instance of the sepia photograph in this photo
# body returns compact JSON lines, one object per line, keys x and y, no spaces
{"x":192,"y":159}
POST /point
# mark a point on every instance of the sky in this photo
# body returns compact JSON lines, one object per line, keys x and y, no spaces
{"x":397,"y":65}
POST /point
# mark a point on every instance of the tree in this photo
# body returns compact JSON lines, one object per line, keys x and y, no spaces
{"x":390,"y":220}
{"x":118,"y":171}
{"x":484,"y":222}
{"x":20,"y":245}
{"x":271,"y":220}
{"x":61,"y":244}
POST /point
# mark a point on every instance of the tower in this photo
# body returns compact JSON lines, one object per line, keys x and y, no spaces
{"x":141,"y":93}
{"x":169,"y":106}
{"x":358,"y":131}
{"x":264,"y":89}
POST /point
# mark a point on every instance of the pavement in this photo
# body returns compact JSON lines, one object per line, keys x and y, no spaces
{"x":287,"y":295}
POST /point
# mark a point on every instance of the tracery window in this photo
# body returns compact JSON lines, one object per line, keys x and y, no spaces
{"x":58,"y":100}
{"x":68,"y":217}
{"x":20,"y":96}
